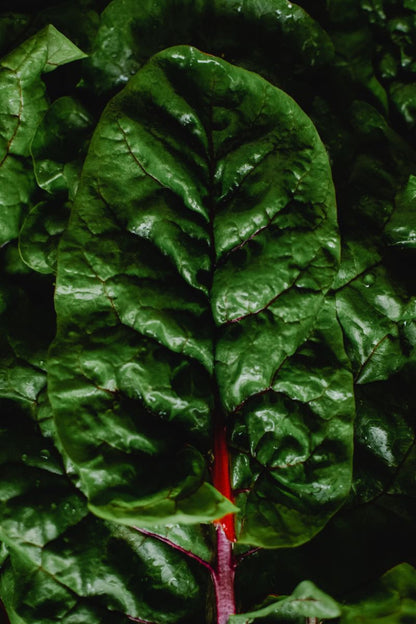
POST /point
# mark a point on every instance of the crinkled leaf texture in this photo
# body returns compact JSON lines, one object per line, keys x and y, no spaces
{"x":191,"y":283}
{"x":22,"y":105}
{"x":58,"y":149}
{"x":376,"y":313}
{"x":62,"y":564}
{"x":277,"y":29}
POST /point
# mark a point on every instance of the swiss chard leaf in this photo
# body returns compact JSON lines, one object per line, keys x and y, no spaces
{"x":377,"y":316}
{"x":41,"y":232}
{"x":62,"y":563}
{"x":59,"y":145}
{"x":374,"y":62}
{"x":58,"y":150}
{"x":23,"y":103}
{"x":285,"y":40}
{"x":400,"y":230}
{"x":385,"y":444}
{"x":288,"y":453}
{"x":392,"y":600}
{"x":181,"y":296}
{"x":306,"y":601}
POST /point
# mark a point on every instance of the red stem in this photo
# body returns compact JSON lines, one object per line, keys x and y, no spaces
{"x":224,"y":572}
{"x":221,"y":477}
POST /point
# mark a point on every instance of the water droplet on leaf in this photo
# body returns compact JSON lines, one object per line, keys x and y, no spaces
{"x":369,"y":280}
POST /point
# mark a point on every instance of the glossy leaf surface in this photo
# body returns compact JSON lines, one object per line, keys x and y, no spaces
{"x":65,"y":565}
{"x":401,"y":228}
{"x":390,"y":600}
{"x":41,"y":232}
{"x":290,"y":446}
{"x":59,"y":145}
{"x":22,"y":102}
{"x":350,"y":64}
{"x":376,"y":314}
{"x":385,"y":444}
{"x":277,"y":29}
{"x":193,"y":270}
{"x":58,"y":150}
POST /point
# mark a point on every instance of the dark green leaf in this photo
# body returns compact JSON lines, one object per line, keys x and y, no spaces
{"x":385,"y":443}
{"x":23,"y":103}
{"x":390,"y":601}
{"x":276,"y":30}
{"x":403,"y":96}
{"x":66,"y":565}
{"x":58,"y":150}
{"x":202,"y":242}
{"x":306,"y":601}
{"x":59,"y":145}
{"x":41,"y":232}
{"x":401,"y":228}
{"x":376,"y":314}
{"x":292,"y":444}
{"x":355,"y":49}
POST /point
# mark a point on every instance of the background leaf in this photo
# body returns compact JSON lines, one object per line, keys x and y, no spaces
{"x":390,"y":601}
{"x":306,"y":601}
{"x":401,"y":228}
{"x":276,"y":29}
{"x":58,"y":149}
{"x":23,"y":102}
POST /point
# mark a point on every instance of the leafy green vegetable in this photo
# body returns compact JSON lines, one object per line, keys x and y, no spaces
{"x":22,"y":103}
{"x":306,"y":601}
{"x":176,"y":377}
{"x":65,"y":565}
{"x":400,"y":231}
{"x":392,"y":600}
{"x":275,"y":28}
{"x":58,"y":150}
{"x":177,"y":293}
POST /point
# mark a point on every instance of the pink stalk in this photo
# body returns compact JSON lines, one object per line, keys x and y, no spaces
{"x":223,"y":577}
{"x":223,"y":573}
